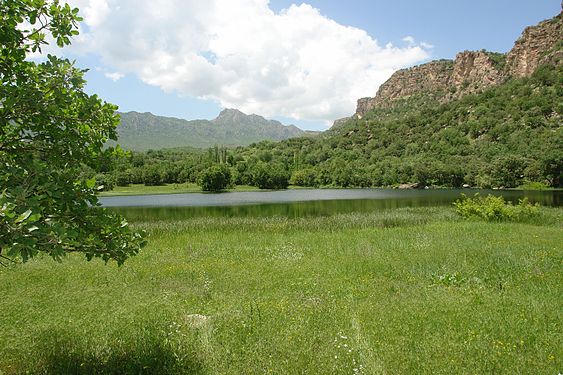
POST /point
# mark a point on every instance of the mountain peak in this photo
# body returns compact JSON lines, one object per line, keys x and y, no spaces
{"x":230,"y":113}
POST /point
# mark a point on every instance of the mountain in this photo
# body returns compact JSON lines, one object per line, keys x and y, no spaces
{"x":144,"y":131}
{"x":484,"y":120}
{"x":471,"y":72}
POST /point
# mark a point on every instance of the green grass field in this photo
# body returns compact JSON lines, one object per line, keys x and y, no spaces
{"x":140,"y":189}
{"x":404,"y":291}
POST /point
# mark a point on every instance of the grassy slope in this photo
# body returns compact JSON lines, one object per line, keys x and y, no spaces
{"x":321,"y":295}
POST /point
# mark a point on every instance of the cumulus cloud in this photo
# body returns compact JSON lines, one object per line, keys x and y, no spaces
{"x":114,"y":76}
{"x":296,"y":63}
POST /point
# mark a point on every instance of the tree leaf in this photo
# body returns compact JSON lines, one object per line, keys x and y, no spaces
{"x":23,"y":216}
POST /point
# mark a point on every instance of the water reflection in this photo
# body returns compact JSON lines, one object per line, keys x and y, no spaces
{"x":298,"y":203}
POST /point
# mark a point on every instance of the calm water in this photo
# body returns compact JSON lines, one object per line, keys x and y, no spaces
{"x":299,"y":203}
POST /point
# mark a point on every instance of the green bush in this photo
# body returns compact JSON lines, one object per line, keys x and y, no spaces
{"x":104,"y":182}
{"x":270,"y":176}
{"x":215,"y":178}
{"x":122,"y":178}
{"x":304,"y":177}
{"x":491,"y":208}
{"x":534,"y":185}
{"x":153,"y":175}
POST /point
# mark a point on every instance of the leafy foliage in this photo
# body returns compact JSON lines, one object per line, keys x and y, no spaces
{"x":270,"y":176}
{"x":48,"y":127}
{"x":492,"y":208}
{"x":215,"y":178}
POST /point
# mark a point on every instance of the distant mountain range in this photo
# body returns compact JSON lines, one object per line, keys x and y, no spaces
{"x":145,"y":131}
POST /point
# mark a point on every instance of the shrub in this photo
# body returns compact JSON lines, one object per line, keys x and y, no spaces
{"x":304,"y":177}
{"x":534,"y":185}
{"x":153,"y":175}
{"x":491,"y":208}
{"x":104,"y":182}
{"x":215,"y":178}
{"x":123,"y":178}
{"x":270,"y":176}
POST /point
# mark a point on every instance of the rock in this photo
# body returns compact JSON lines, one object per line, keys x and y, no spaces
{"x":415,"y":185}
{"x":339,"y":122}
{"x":535,"y":47}
{"x":466,"y":186}
{"x":471,"y":71}
{"x":426,"y":78}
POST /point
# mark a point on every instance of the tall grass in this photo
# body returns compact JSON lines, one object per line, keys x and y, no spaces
{"x":416,"y":290}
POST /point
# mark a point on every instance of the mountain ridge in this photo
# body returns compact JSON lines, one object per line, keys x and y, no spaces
{"x":441,"y":81}
{"x":141,"y":131}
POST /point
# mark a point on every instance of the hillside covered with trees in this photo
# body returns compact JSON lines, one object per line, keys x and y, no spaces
{"x":486,"y":120}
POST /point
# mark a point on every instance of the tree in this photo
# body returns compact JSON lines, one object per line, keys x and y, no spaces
{"x":270,"y":176}
{"x":153,"y":175}
{"x":49,"y":127}
{"x":304,"y":177}
{"x":215,"y":178}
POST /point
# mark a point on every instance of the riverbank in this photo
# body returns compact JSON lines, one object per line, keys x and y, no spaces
{"x":140,"y":189}
{"x":412,"y":290}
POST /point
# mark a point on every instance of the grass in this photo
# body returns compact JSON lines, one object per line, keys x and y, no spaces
{"x":140,"y":189}
{"x":414,"y":290}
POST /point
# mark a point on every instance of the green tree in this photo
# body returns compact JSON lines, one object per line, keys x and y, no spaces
{"x":153,"y":175}
{"x":215,"y":178}
{"x":304,"y":177}
{"x":48,"y":127}
{"x":270,"y":176}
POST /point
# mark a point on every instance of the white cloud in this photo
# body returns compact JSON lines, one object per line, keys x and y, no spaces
{"x":408,"y":39}
{"x":114,"y":76}
{"x":296,"y":63}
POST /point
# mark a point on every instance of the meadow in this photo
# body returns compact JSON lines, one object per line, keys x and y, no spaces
{"x":140,"y":189}
{"x":397,"y":291}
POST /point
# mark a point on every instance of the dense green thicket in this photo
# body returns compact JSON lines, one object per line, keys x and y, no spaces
{"x":507,"y":136}
{"x":492,"y":208}
{"x":215,"y":178}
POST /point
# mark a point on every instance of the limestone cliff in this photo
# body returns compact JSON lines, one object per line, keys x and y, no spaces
{"x":471,"y":71}
{"x":538,"y":45}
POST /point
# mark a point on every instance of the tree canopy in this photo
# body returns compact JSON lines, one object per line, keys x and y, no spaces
{"x":49,"y":130}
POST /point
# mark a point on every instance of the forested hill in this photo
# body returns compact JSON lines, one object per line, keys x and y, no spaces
{"x":485,"y":120}
{"x":144,"y":131}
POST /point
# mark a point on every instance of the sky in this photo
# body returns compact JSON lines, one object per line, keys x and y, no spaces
{"x":303,"y":63}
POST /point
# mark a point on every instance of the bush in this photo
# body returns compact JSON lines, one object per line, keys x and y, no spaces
{"x":533,"y":185}
{"x":215,"y":178}
{"x":304,"y":177}
{"x":270,"y":176}
{"x":491,"y":208}
{"x":123,"y":178}
{"x":153,"y":175}
{"x":104,"y":182}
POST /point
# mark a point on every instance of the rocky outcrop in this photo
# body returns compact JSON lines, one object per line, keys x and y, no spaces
{"x":471,"y":71}
{"x":424,"y":79}
{"x":537,"y":45}
{"x":340,"y":121}
{"x":474,"y":71}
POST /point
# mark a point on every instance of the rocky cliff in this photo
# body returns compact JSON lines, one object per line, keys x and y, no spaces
{"x":471,"y":71}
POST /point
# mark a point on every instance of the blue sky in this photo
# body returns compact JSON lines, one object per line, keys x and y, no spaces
{"x":273,"y":89}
